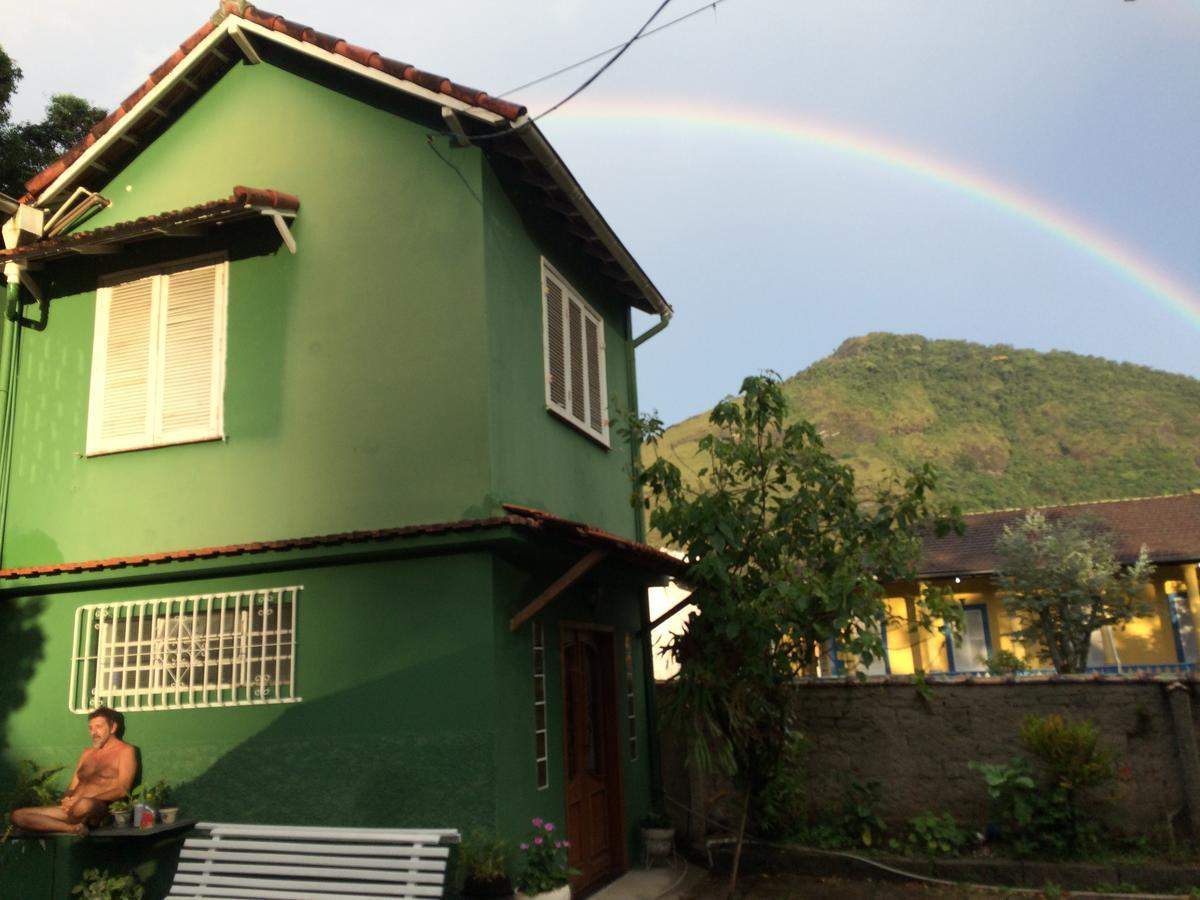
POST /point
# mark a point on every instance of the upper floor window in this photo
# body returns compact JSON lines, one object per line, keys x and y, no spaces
{"x":574,"y":336}
{"x":158,"y":361}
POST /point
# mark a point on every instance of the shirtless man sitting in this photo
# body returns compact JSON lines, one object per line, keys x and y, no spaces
{"x":105,"y":773}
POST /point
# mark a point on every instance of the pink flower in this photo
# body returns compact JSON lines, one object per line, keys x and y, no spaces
{"x":524,"y":846}
{"x":537,"y":822}
{"x":566,"y":843}
{"x":537,"y":841}
{"x":549,"y":826}
{"x":558,"y":845}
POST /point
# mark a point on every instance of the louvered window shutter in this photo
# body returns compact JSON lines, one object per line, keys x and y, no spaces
{"x":574,"y":338}
{"x":556,"y":357}
{"x":122,"y":366}
{"x":192,"y":366}
{"x":158,"y":363}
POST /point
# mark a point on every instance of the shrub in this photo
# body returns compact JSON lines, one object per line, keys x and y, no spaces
{"x":100,"y":884}
{"x":933,"y":835}
{"x":1005,"y":662}
{"x":35,"y":785}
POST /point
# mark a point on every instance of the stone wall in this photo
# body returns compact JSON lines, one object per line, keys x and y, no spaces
{"x":917,"y":747}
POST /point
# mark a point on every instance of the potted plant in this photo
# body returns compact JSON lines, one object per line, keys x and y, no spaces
{"x":482,"y":856}
{"x":161,"y":797}
{"x":121,"y":810}
{"x":658,"y":836}
{"x":545,"y":874}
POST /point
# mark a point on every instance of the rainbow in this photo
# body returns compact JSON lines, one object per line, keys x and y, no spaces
{"x":1105,"y":250}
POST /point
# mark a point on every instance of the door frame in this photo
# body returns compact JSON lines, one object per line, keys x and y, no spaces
{"x":613,"y":759}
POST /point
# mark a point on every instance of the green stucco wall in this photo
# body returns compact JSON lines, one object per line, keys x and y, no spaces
{"x":537,"y":459}
{"x":417,"y":701}
{"x":356,"y":385}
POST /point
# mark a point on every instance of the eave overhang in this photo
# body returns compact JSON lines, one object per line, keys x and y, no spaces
{"x":245,"y":203}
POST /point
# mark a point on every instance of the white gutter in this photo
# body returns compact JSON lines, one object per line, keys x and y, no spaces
{"x":228,"y":26}
{"x":546,"y":155}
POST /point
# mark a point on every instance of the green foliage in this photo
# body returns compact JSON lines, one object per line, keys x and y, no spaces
{"x":780,"y":808}
{"x":1061,"y":581}
{"x":1006,"y":428}
{"x":785,"y":555}
{"x":100,"y":884}
{"x":1005,"y":662}
{"x":1052,"y":890}
{"x":860,"y":821}
{"x":158,"y":795}
{"x":27,"y":148}
{"x":483,"y":855}
{"x":35,"y":786}
{"x":933,"y":835}
{"x":1048,"y":817}
{"x":1070,"y":751}
{"x":544,"y":860}
{"x":1012,"y":795}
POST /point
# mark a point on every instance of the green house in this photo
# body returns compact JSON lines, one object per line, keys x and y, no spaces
{"x":310,"y":461}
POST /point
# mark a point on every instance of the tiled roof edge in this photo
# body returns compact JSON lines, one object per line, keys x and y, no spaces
{"x":363,"y":56}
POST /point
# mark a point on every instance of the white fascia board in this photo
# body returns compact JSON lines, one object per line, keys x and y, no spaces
{"x":151,"y":97}
{"x":342,"y":62}
{"x":557,"y":169}
{"x":229,"y":24}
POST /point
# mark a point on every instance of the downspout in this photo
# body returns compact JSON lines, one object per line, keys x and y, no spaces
{"x":648,"y":684}
{"x":8,"y":345}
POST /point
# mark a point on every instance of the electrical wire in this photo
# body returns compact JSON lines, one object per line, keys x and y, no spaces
{"x":583,"y":62}
{"x":475,"y":139}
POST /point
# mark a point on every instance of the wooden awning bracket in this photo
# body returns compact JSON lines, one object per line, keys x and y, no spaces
{"x":686,"y":601}
{"x":550,"y":594}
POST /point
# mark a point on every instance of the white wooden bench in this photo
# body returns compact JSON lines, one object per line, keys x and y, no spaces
{"x":294,"y":862}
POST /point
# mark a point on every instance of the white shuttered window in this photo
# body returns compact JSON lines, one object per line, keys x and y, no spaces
{"x":158,"y":362}
{"x":573,"y":334}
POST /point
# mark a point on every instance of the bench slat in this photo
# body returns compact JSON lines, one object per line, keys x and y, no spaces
{"x":349,"y":850}
{"x":187,"y":892}
{"x":316,"y":872}
{"x":353,"y":888}
{"x":207,"y":857}
{"x":378,"y":835}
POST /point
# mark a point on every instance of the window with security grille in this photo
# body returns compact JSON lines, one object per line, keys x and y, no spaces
{"x":158,"y":357}
{"x":540,"y":730}
{"x":229,"y":649}
{"x":573,"y":335}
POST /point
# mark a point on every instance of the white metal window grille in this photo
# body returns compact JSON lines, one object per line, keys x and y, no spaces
{"x":231,"y":649}
{"x":158,"y":357}
{"x":541,"y":741}
{"x":573,"y":334}
{"x":630,"y":699}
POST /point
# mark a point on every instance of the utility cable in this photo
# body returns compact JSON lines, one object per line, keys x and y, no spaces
{"x":583,"y":62}
{"x":475,"y":139}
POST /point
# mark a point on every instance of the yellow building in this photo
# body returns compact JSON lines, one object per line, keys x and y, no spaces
{"x":1165,"y":640}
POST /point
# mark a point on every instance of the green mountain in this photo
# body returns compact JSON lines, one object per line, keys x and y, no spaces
{"x":1004,"y":427}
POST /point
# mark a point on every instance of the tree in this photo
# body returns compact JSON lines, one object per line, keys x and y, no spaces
{"x":784,"y":556}
{"x":28,"y":147}
{"x":1061,"y":581}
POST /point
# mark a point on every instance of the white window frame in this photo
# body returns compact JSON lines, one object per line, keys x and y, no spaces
{"x":235,"y":648}
{"x":584,"y":392}
{"x":155,"y":434}
{"x":541,"y":732}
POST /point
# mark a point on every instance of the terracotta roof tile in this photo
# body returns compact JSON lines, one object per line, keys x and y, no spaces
{"x":1169,"y":527}
{"x":297,"y":31}
{"x":237,"y":205}
{"x":520,"y":517}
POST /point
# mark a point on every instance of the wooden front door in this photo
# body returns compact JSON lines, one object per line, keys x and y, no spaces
{"x":595,"y":823}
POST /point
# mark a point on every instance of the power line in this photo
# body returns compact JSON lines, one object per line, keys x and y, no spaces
{"x":583,"y":62}
{"x":475,"y":139}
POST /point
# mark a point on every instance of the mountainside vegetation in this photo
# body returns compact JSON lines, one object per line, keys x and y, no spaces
{"x":1003,"y":427}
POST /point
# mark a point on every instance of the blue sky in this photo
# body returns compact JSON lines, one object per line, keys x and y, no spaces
{"x":773,"y":246}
